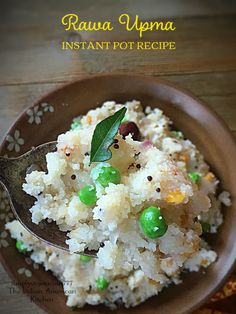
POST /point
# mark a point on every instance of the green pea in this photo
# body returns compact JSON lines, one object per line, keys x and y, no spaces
{"x":87,"y":195}
{"x":206,"y":227}
{"x":152,"y":223}
{"x":20,"y":246}
{"x":75,"y":124}
{"x":102,"y":283}
{"x":194,"y":176}
{"x":177,"y":134}
{"x":108,"y":175}
{"x":84,"y":258}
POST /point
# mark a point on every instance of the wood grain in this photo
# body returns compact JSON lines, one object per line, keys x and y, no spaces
{"x":204,"y":45}
{"x":216,"y":90}
{"x":32,"y":62}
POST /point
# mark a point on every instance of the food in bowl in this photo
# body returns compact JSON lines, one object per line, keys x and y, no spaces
{"x":124,"y":183}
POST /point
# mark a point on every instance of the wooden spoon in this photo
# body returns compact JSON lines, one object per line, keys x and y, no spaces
{"x":12,"y":176}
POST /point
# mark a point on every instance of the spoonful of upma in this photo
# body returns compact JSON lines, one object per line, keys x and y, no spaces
{"x":14,"y":171}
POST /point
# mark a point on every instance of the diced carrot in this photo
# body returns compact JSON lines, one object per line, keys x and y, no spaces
{"x":89,"y":119}
{"x":175,"y":197}
{"x":184,"y":157}
{"x":209,"y":176}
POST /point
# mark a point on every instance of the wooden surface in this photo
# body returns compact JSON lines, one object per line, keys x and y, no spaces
{"x":32,"y":62}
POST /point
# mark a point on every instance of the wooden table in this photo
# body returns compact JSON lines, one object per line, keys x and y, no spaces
{"x":33,"y":63}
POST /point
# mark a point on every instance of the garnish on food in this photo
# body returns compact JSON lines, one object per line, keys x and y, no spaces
{"x":177,"y":134}
{"x":152,"y":222}
{"x":194,"y":176}
{"x":102,"y":283}
{"x":206,"y":227}
{"x":87,"y":195}
{"x":85,"y":258}
{"x":108,"y":175}
{"x":130,"y":127}
{"x":103,"y":136}
{"x":20,"y":246}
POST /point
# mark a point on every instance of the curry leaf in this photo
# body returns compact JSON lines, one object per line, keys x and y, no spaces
{"x":103,"y":136}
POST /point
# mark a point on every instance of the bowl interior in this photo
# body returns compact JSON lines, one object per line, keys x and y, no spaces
{"x":189,"y":115}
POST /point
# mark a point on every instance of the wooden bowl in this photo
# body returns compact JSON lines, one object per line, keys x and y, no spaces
{"x":52,"y":115}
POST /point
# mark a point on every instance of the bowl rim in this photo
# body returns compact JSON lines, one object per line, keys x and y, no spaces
{"x":117,"y":74}
{"x":151,"y":79}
